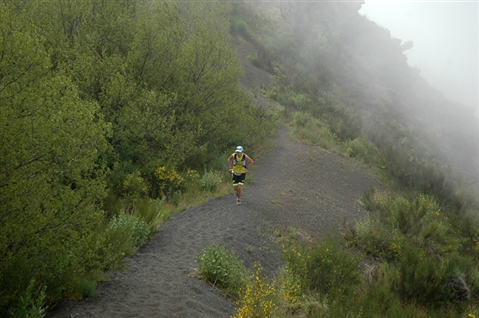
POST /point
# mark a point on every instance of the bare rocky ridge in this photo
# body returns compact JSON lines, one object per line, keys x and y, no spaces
{"x":293,"y":185}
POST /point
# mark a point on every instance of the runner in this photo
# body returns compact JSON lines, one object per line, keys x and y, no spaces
{"x":239,"y":164}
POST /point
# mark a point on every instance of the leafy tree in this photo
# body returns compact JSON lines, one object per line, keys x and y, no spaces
{"x":50,"y":177}
{"x":87,"y":86}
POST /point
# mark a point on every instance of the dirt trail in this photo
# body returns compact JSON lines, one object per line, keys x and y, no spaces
{"x":295,"y":185}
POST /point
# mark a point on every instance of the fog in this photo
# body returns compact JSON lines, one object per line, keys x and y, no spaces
{"x":445,"y":37}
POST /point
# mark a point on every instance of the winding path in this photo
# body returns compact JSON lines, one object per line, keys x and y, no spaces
{"x":293,"y":185}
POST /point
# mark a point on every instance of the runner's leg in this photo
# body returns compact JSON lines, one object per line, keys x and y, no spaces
{"x":239,"y":191}
{"x":235,"y":185}
{"x":240,"y":187}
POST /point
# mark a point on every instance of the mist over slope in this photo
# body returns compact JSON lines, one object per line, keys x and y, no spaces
{"x":342,"y":58}
{"x":451,"y":127}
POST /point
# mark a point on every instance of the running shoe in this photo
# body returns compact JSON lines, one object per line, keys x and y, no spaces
{"x":238,"y":201}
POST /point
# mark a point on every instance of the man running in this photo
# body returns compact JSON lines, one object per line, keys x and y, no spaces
{"x":239,"y":164}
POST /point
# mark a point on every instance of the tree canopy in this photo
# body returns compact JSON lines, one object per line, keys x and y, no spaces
{"x":91,"y":91}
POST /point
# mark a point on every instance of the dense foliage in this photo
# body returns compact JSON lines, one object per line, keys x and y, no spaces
{"x":107,"y":107}
{"x":51,"y":179}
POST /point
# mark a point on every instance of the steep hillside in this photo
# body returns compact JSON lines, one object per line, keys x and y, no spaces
{"x":380,"y":68}
{"x":353,"y":71}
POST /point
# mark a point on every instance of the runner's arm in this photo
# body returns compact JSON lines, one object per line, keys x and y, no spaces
{"x":250,"y":162}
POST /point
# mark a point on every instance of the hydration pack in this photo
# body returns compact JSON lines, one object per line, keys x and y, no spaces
{"x":243,"y":161}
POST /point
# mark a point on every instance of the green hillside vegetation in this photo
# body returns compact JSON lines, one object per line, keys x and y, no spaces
{"x":344,"y":84}
{"x":114,"y":113}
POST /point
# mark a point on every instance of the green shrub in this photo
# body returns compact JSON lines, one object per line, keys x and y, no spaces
{"x":331,"y":269}
{"x":379,"y":300}
{"x":211,"y":180}
{"x":192,"y":179}
{"x":312,"y":130}
{"x":32,"y":303}
{"x":151,"y":211}
{"x":240,"y":27}
{"x":325,"y":267}
{"x":422,"y":279}
{"x":56,"y":266}
{"x":418,"y":219}
{"x":302,"y":119}
{"x":134,"y":186}
{"x":112,"y":204}
{"x":361,"y":148}
{"x":290,"y":99}
{"x":372,"y":237}
{"x":367,"y":199}
{"x":83,"y":287}
{"x":117,"y":243}
{"x":132,"y":226}
{"x":222,"y":268}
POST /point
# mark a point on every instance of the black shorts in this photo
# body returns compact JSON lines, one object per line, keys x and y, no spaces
{"x":239,"y":179}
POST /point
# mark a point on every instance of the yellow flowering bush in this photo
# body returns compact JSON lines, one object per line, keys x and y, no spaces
{"x":168,"y":181}
{"x":396,"y":244}
{"x":428,"y":206}
{"x":192,"y":176}
{"x":273,"y":93}
{"x":259,"y":297}
{"x":291,"y":291}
